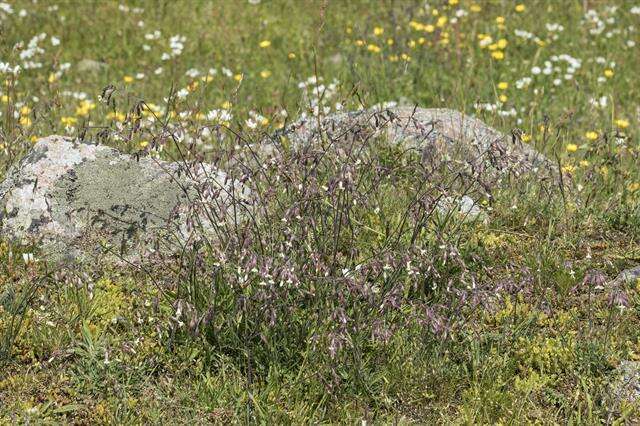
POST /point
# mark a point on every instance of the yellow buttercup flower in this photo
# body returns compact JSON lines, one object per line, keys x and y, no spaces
{"x":633,"y":187}
{"x":127,"y":79}
{"x":591,"y":135}
{"x":572,"y":147}
{"x":116,"y":115}
{"x":622,"y":123}
{"x":264,"y":44}
{"x":503,"y":85}
{"x":520,"y":8}
{"x":68,"y":121}
{"x":608,"y":73}
{"x":378,"y":31}
{"x":500,"y":20}
{"x":265,"y":73}
{"x":497,"y":55}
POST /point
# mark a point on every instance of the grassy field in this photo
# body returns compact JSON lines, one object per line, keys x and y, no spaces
{"x":501,"y":321}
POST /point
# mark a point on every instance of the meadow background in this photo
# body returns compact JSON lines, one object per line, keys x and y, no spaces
{"x":103,"y":348}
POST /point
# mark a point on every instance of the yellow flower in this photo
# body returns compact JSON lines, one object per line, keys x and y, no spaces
{"x":526,"y":137}
{"x":191,"y":87}
{"x":373,"y":48}
{"x":348,"y":30}
{"x":52,"y":78}
{"x":411,"y":44}
{"x":265,"y":43}
{"x":143,"y":144}
{"x":500,"y":20}
{"x":622,"y":123}
{"x":207,"y":78}
{"x":393,"y":58}
{"x":497,"y":55}
{"x":4,"y":99}
{"x":572,"y":147}
{"x":608,"y":73}
{"x":291,"y":55}
{"x":429,"y":28}
{"x":503,"y":85}
{"x":238,"y":77}
{"x":503,"y":98}
{"x":584,"y":163}
{"x":502,"y":43}
{"x":33,"y":138}
{"x":591,"y":135}
{"x":359,"y":42}
{"x":25,"y":121}
{"x":226,"y":105}
{"x":265,"y":73}
{"x":25,"y":110}
{"x":390,"y":41}
{"x":453,"y":2}
{"x":520,"y":8}
{"x":569,"y":168}
{"x":405,"y":57}
{"x":475,"y":8}
{"x":442,"y":21}
{"x":633,"y":187}
{"x":68,"y":121}
{"x":117,"y":116}
{"x":127,"y":79}
{"x":84,"y":108}
{"x":378,"y":31}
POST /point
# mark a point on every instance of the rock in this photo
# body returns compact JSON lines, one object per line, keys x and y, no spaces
{"x":89,"y":65}
{"x":628,"y":276}
{"x":464,"y":206}
{"x":439,"y":134}
{"x":75,"y":199}
{"x":625,"y":388}
{"x":447,"y":140}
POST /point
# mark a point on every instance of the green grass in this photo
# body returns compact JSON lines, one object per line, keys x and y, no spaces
{"x":100,"y":346}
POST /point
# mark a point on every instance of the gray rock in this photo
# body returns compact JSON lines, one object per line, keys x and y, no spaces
{"x":463,"y":206}
{"x":439,"y":134}
{"x":76,"y":199}
{"x":628,"y":276}
{"x":625,"y":389}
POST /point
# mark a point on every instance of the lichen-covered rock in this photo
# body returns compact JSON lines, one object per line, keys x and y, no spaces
{"x":439,"y":134}
{"x":75,"y":199}
{"x":625,"y":389}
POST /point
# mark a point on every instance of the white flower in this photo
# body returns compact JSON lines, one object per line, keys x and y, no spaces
{"x":55,"y":41}
{"x":6,"y":8}
{"x":535,"y":70}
